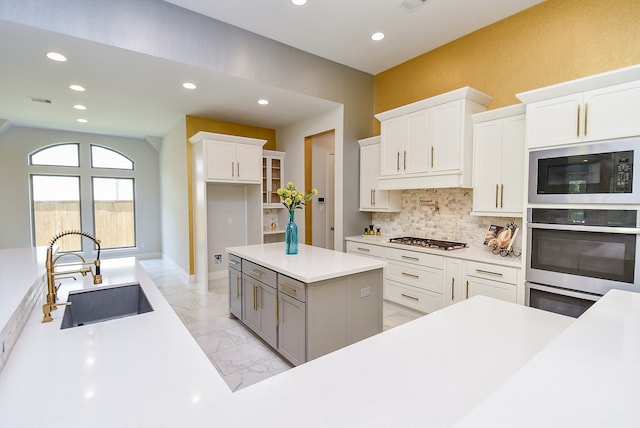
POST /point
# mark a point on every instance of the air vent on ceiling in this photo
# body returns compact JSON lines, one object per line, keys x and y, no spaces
{"x":40,"y":100}
{"x":412,"y":5}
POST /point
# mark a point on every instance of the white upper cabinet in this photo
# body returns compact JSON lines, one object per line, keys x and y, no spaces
{"x":498,"y":162}
{"x":272,"y":176}
{"x":593,"y":108}
{"x":371,"y":198}
{"x":428,"y":143}
{"x":229,"y":158}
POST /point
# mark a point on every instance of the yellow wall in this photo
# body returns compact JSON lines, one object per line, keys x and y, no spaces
{"x":555,"y":41}
{"x":195,"y":124}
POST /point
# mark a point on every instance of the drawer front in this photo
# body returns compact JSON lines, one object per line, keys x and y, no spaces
{"x":492,"y":272}
{"x":415,"y":257}
{"x":365,"y":249}
{"x":421,"y":277}
{"x":234,"y":262}
{"x":259,"y":273}
{"x":421,"y":300}
{"x":292,"y":287}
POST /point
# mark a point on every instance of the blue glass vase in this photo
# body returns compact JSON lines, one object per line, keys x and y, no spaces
{"x":291,"y":235}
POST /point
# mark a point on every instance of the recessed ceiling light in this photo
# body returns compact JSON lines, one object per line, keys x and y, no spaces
{"x":79,"y":107}
{"x":299,"y":2}
{"x":188,"y":85}
{"x":263,"y":102}
{"x":376,"y":37}
{"x":55,"y":56}
{"x":82,"y":120}
{"x":77,"y":88}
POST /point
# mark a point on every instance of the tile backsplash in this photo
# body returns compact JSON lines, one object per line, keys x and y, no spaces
{"x":440,"y":214}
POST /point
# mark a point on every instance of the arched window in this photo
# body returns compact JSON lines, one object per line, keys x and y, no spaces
{"x":57,"y":199}
{"x":64,"y":154}
{"x":102,"y":157}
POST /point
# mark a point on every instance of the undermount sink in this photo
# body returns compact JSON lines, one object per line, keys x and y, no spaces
{"x":103,"y":304}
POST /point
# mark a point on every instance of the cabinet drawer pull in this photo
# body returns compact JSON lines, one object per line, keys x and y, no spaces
{"x":363,"y":249}
{"x":397,"y":161}
{"x":373,"y":197}
{"x":237,"y":287}
{"x":277,"y":312}
{"x":256,"y":272}
{"x":410,"y":274}
{"x":238,"y":169}
{"x":411,"y":258}
{"x":255,"y":304}
{"x":488,"y":272}
{"x":467,"y":289}
{"x":404,"y":162}
{"x":290,"y":289}
{"x":233,"y":262}
{"x":496,"y":196}
{"x":409,"y":297}
{"x":233,"y":170}
{"x":502,"y":196}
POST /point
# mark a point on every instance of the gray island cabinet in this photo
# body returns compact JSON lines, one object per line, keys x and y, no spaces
{"x":308,"y":304}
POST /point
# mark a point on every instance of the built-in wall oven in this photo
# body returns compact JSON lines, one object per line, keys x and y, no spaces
{"x":586,"y":173}
{"x":576,"y":255}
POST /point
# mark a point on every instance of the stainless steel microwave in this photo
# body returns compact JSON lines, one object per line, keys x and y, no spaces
{"x":586,"y":173}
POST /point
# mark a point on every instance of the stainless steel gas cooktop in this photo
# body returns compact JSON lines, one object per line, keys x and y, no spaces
{"x":428,"y":243}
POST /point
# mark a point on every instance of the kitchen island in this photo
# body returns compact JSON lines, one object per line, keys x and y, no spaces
{"x":308,"y":304}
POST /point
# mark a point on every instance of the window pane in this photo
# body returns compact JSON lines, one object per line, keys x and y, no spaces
{"x":113,"y":211}
{"x":56,"y":208}
{"x":60,"y":155}
{"x":106,"y":158}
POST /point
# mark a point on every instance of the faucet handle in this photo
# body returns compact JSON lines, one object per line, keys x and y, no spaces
{"x":48,"y":307}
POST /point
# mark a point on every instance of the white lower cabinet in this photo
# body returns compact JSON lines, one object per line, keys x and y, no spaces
{"x":414,"y":279}
{"x":453,"y":291}
{"x":497,"y":281}
{"x":427,"y":282}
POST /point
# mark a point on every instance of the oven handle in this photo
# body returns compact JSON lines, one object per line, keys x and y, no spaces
{"x":581,"y":228}
{"x":560,"y":291}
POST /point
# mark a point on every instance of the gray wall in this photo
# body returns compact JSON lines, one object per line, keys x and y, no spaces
{"x":15,"y":146}
{"x":160,"y":29}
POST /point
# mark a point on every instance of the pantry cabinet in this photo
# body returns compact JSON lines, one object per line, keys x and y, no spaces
{"x":593,"y":108}
{"x":499,"y":153}
{"x":428,"y":144}
{"x":372,"y":198}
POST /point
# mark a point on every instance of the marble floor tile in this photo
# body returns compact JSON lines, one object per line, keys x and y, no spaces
{"x":237,"y":354}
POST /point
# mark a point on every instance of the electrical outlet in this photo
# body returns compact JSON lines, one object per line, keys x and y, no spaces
{"x":364,"y":292}
{"x":217,"y":259}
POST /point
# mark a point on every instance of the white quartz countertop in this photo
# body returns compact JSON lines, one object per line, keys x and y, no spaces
{"x":588,"y":377}
{"x":480,"y":254}
{"x":140,"y":371}
{"x":310,"y":265}
{"x":480,"y":362}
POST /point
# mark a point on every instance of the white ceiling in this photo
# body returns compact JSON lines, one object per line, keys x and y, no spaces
{"x":131,"y":101}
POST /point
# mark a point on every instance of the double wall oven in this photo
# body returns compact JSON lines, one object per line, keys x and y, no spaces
{"x":582,"y":224}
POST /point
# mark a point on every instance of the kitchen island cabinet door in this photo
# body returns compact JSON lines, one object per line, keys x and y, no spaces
{"x":292,"y":329}
{"x":259,"y":309}
{"x":250,"y":315}
{"x":235,"y":293}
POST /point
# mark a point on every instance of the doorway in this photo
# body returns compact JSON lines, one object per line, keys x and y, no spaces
{"x":319,"y":164}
